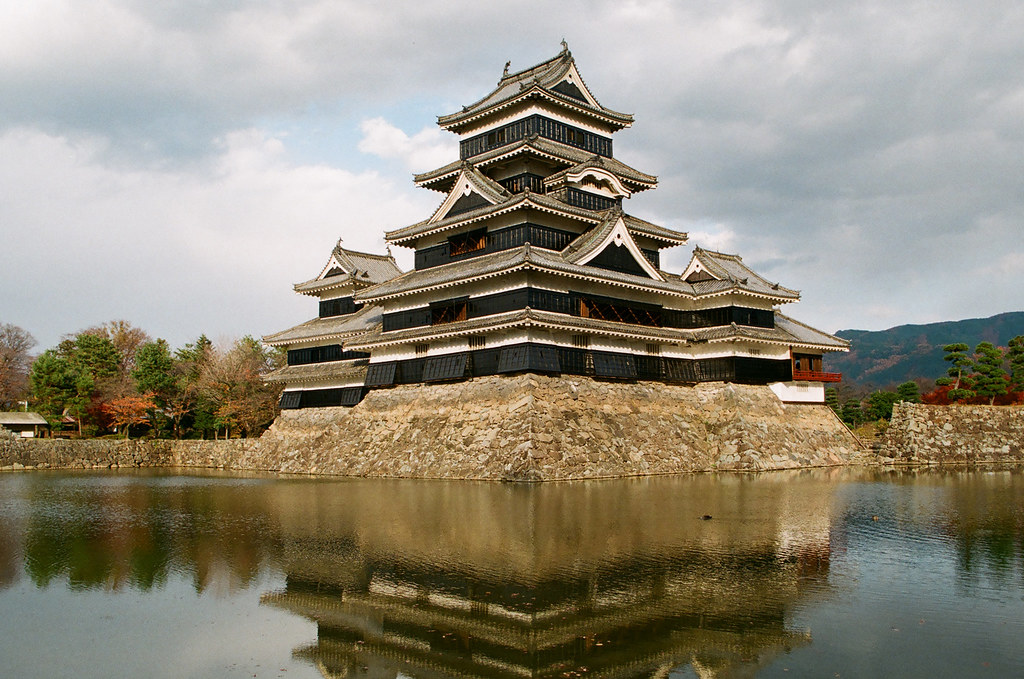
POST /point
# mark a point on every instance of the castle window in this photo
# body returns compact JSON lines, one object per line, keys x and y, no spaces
{"x":621,"y":313}
{"x":581,"y":341}
{"x":421,"y":349}
{"x":467,"y":242}
{"x":448,"y":313}
{"x":477,"y":342}
{"x":495,"y":138}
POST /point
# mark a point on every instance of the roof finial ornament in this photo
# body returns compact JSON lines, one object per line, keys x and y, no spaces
{"x":390,"y":254}
{"x":339,"y":243}
{"x":505,"y":73}
{"x":565,"y":45}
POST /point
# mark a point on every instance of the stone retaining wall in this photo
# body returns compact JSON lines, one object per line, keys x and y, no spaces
{"x":525,"y":428}
{"x":927,"y":434}
{"x":17,"y":453}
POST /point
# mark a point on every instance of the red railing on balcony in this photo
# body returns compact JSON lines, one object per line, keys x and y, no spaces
{"x":815,"y":376}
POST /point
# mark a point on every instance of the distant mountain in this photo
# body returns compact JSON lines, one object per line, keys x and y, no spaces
{"x":885,"y":358}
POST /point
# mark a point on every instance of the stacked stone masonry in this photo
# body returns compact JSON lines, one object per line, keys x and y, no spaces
{"x":927,"y":434}
{"x":522,"y":428}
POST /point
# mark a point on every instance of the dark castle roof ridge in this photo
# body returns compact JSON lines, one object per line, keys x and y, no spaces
{"x":568,"y":154}
{"x":319,"y":328}
{"x":514,"y":201}
{"x":543,"y":76}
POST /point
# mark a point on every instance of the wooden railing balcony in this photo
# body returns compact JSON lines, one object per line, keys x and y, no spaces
{"x":815,"y":376}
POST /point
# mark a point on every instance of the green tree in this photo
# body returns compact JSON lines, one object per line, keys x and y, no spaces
{"x":832,"y":400}
{"x":191,"y":409}
{"x":852,"y":414}
{"x":94,"y":355}
{"x":154,"y":371}
{"x":908,"y":392}
{"x":154,"y":374}
{"x":880,"y":405}
{"x":990,"y":380}
{"x":1015,"y":352}
{"x":77,"y":378}
{"x":958,"y":372}
{"x":54,"y":386}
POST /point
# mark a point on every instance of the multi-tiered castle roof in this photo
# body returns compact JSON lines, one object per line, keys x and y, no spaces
{"x":531,"y":263}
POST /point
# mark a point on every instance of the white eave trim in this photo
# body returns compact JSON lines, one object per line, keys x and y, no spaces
{"x":778,"y":342}
{"x":537,"y":91}
{"x":316,"y":338}
{"x":520,"y":205}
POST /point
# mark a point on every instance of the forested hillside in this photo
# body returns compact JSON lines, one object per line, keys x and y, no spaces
{"x":885,"y":358}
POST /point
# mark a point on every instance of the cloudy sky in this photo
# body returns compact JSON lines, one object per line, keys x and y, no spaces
{"x":181,"y":164}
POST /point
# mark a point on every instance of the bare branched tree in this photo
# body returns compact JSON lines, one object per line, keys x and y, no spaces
{"x":233,"y":380}
{"x":15,"y":362}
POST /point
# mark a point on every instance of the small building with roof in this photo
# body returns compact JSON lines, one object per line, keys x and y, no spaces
{"x":531,"y":263}
{"x":24,"y":424}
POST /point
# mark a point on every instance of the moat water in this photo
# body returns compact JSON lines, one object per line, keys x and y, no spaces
{"x":827,"y":573}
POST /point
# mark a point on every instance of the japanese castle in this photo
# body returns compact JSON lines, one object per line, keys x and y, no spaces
{"x":531,"y":263}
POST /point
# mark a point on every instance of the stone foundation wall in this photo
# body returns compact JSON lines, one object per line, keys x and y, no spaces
{"x":525,"y":428}
{"x":927,"y":434}
{"x":532,"y":427}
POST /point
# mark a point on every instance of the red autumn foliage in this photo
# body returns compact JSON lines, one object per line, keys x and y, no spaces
{"x":940,"y":397}
{"x":129,"y":410}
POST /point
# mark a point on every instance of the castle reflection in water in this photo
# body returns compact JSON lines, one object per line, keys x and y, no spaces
{"x":617,"y":579}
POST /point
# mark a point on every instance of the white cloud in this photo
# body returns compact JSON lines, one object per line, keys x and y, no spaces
{"x":425,"y":150}
{"x":213,"y":249}
{"x":865,"y":153}
{"x":719,"y":238}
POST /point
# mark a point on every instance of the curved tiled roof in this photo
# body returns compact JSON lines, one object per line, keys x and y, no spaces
{"x":527,"y":199}
{"x":333,"y":327}
{"x":528,"y":257}
{"x":357,"y":269}
{"x":319,"y":372}
{"x":441,"y":178}
{"x":732,"y":269}
{"x":610,"y":165}
{"x":492,"y":191}
{"x":539,"y":79}
{"x":804,"y":333}
{"x":586,"y":242}
{"x":651,"y":230}
{"x":783,"y":333}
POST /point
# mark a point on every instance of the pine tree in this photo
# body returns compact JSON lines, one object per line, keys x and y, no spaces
{"x":832,"y":400}
{"x":880,"y":405}
{"x":1016,"y":355}
{"x":909,"y":392}
{"x":958,"y":373}
{"x":852,"y":414}
{"x":990,"y":379}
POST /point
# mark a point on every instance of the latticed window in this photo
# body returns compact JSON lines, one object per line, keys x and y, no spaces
{"x":581,"y":341}
{"x":495,"y":138}
{"x":448,"y":313}
{"x":590,"y":308}
{"x":467,"y":242}
{"x":477,"y":342}
{"x":654,"y":349}
{"x":421,"y":349}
